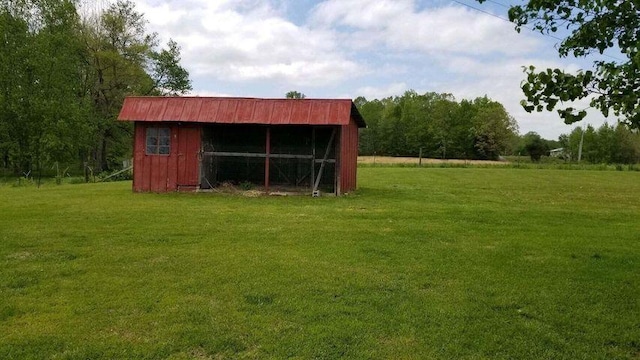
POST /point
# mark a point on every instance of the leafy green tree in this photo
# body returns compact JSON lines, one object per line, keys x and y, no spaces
{"x":169,"y":78}
{"x":435,"y":125}
{"x":493,"y":129}
{"x":60,"y":63}
{"x":607,"y":144}
{"x":295,"y":95}
{"x":594,"y":26}
{"x":563,"y":142}
{"x":41,"y":103}
{"x":443,"y":127}
{"x":589,"y":147}
{"x":14,"y":30}
{"x":392,"y":130}
{"x":414,"y":116}
{"x":370,"y":137}
{"x":118,"y":48}
{"x":63,"y":80}
{"x":626,"y":146}
{"x":120,"y":51}
{"x":605,"y":147}
{"x":535,"y":146}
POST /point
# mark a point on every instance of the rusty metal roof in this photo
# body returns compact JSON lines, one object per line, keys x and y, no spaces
{"x":229,"y":110}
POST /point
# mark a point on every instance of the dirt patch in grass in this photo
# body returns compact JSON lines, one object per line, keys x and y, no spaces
{"x":230,"y":188}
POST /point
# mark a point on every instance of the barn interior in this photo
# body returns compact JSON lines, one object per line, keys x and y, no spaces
{"x":285,"y":157}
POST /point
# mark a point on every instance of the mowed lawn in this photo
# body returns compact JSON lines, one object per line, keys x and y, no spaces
{"x":420,"y":263}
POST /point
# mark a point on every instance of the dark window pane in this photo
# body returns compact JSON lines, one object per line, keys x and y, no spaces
{"x":152,"y":140}
{"x":158,"y":141}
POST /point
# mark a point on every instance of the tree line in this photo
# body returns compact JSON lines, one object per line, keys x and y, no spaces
{"x":610,"y":144}
{"x":63,"y":78}
{"x":436,"y":125}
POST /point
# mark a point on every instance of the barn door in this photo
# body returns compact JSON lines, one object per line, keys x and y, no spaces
{"x":188,"y":164}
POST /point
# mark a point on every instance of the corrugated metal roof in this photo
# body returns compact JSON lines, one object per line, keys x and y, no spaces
{"x":228,"y":110}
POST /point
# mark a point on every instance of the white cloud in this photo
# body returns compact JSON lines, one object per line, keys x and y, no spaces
{"x":363,"y":14}
{"x":207,"y":93}
{"x":365,"y":48}
{"x":372,"y":92}
{"x":500,"y":80}
{"x":398,"y":24}
{"x":249,"y":40}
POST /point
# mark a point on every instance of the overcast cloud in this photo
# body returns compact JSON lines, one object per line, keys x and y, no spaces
{"x":350,"y":48}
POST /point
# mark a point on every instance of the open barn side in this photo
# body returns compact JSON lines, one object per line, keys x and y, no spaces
{"x":182,"y":143}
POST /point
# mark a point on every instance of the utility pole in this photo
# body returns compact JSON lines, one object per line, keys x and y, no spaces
{"x":580,"y":148}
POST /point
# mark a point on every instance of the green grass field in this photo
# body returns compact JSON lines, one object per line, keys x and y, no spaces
{"x":419,"y":263}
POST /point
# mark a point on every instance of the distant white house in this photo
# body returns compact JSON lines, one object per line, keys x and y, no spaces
{"x":559,"y":152}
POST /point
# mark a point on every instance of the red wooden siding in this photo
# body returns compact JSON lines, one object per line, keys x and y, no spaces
{"x":348,"y":157}
{"x":139,"y":183}
{"x":185,"y":117}
{"x":162,"y":173}
{"x":188,"y":168}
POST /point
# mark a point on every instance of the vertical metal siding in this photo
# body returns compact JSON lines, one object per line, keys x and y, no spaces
{"x":172,"y":162}
{"x":160,"y":164}
{"x":348,"y":157}
{"x":138,"y":158}
{"x":181,"y":148}
{"x":158,"y":173}
{"x":189,"y":139}
{"x":193,"y":148}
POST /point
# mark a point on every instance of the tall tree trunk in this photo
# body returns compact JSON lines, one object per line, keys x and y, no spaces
{"x":104,"y":164}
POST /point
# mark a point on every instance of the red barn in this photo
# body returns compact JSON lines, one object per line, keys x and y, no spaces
{"x":192,"y":143}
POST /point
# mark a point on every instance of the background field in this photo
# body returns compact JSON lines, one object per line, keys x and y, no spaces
{"x":392,"y":160}
{"x":419,"y":263}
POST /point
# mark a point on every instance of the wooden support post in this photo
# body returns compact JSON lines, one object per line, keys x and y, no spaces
{"x":324,"y":160}
{"x":266,"y":160}
{"x":420,"y":158}
{"x":313,"y":154}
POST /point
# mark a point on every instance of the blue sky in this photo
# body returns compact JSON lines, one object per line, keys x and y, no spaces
{"x":350,"y":48}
